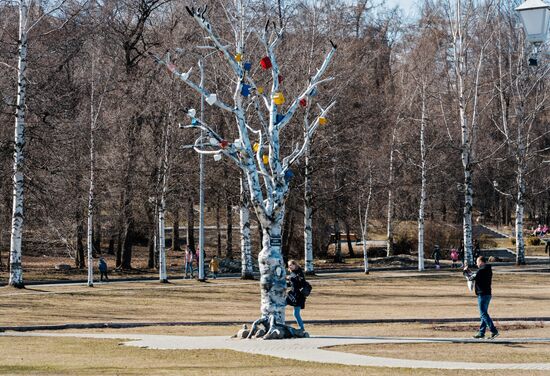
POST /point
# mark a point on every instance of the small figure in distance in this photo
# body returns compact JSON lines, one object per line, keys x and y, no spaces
{"x":102,"y":265}
{"x":189,"y":256}
{"x":483,"y":280}
{"x":454,"y":258}
{"x":436,"y":255}
{"x":214,"y":267}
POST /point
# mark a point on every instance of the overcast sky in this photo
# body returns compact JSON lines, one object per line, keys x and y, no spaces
{"x":408,"y":6}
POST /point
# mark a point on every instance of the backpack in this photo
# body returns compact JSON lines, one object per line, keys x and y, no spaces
{"x":306,"y":288}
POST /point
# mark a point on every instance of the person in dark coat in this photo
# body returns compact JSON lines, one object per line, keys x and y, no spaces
{"x":461,"y":252}
{"x":483,"y":280}
{"x":436,"y":255}
{"x":477,"y":249}
{"x":102,"y":265}
{"x":294,"y":297}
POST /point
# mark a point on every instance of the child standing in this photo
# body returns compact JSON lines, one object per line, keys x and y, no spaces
{"x":454,"y":258}
{"x":214,"y":267}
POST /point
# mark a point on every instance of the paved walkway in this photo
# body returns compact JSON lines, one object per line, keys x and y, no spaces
{"x":309,"y":349}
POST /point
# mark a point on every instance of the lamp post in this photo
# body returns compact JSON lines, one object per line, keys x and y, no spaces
{"x":535,"y":17}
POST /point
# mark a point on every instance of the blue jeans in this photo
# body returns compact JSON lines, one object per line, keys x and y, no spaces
{"x":298,"y":318}
{"x":189,"y":269}
{"x":486,"y":322}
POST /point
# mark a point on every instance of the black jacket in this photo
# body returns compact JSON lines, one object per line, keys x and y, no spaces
{"x":483,"y":279}
{"x":295,"y":297}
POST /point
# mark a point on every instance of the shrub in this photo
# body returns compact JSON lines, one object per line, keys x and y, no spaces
{"x":533,"y":240}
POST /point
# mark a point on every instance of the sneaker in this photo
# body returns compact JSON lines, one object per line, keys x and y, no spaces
{"x":494,"y":335}
{"x":479,"y":335}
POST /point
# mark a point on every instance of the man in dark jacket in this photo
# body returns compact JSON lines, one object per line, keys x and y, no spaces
{"x":483,"y":279}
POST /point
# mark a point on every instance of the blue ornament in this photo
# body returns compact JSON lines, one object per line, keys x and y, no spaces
{"x":288,"y":175}
{"x":279,"y":118}
{"x":194,"y":122}
{"x":247,"y":66}
{"x":313,"y":92}
{"x":245,"y":90}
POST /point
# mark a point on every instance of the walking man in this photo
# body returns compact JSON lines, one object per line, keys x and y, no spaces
{"x":102,"y":265}
{"x":483,"y":279}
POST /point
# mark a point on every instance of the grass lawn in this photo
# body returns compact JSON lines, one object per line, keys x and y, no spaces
{"x":346,"y":296}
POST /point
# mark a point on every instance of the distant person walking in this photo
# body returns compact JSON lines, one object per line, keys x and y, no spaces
{"x":436,"y":255}
{"x":461,"y":253}
{"x":454,"y":258}
{"x":483,"y":280}
{"x":189,"y":256}
{"x":102,"y":265}
{"x":214,"y":267}
{"x":295,"y":298}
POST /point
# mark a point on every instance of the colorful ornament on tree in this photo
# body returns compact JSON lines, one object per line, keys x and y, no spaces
{"x":213,"y":141}
{"x":224,"y":144}
{"x":194,"y":121}
{"x":211,"y":99}
{"x":280,"y":79}
{"x":265,"y":159}
{"x":288,"y":175}
{"x":247,"y":66}
{"x":278,"y":98}
{"x":260,"y":90}
{"x":237,"y":143}
{"x":313,"y":92}
{"x":279,"y":118}
{"x":238,"y":57}
{"x":256,"y":147}
{"x":323,"y":120}
{"x":217,"y":157}
{"x":245,"y":90}
{"x":303,"y":102}
{"x":191,"y":112}
{"x":266,"y":63}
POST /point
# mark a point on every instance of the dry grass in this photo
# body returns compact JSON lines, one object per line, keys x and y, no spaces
{"x":73,"y":356}
{"x":352,"y":296}
{"x":483,"y":352}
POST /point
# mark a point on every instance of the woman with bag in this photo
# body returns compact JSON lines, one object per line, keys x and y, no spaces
{"x":295,"y":297}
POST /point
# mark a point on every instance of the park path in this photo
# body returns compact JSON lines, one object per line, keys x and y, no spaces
{"x":309,"y":349}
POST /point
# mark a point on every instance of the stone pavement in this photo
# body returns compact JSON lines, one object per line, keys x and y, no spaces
{"x":308,"y":349}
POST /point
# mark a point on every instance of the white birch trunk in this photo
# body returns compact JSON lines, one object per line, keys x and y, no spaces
{"x":520,"y":197}
{"x":308,"y":217}
{"x":422,"y":205}
{"x":89,"y":239}
{"x":465,"y":146}
{"x":162,"y":247}
{"x":364,"y":222}
{"x":389,"y":224}
{"x":16,"y":270}
{"x":247,"y":270}
{"x":272,"y":274}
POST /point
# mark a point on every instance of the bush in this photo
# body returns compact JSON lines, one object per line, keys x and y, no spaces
{"x":533,"y":240}
{"x":485,"y":241}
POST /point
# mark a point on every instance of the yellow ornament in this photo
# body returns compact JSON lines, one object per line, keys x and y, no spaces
{"x":265,"y":159}
{"x":260,"y":90}
{"x":238,"y":58}
{"x":255,"y":147}
{"x":323,"y":120}
{"x":279,"y":98}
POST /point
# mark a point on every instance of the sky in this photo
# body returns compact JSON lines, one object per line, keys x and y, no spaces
{"x":408,"y":6}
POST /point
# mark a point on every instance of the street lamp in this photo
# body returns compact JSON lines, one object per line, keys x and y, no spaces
{"x":535,"y":17}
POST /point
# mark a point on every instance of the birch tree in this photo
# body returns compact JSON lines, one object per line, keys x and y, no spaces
{"x":464,"y":19}
{"x":522,"y":96}
{"x":267,"y":172}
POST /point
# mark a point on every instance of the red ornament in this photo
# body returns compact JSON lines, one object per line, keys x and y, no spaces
{"x":280,"y":78}
{"x":266,"y":62}
{"x":171,"y":67}
{"x":303,"y":102}
{"x":224,"y":144}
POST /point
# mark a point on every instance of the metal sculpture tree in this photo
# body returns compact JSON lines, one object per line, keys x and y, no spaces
{"x":257,"y":152}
